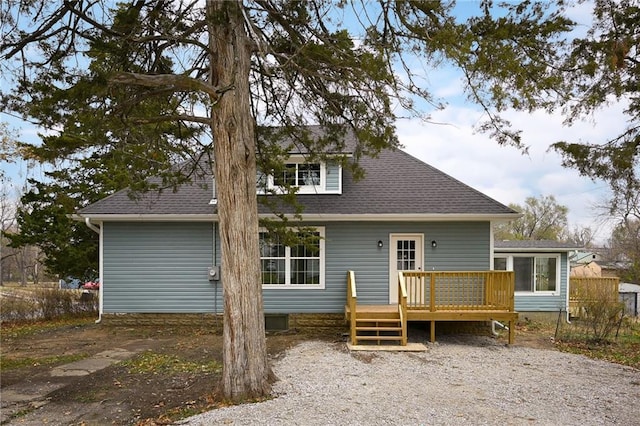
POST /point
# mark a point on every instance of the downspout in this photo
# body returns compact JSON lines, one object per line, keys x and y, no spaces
{"x":97,"y":230}
{"x":215,"y":289}
{"x":566,"y":303}
{"x":498,"y":323}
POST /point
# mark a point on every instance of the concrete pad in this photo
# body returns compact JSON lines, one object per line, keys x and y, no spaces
{"x":29,"y":395}
{"x":411,"y":347}
{"x":87,"y":366}
{"x":10,"y":396}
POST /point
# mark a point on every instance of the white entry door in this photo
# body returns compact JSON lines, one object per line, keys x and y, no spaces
{"x":406,"y":253}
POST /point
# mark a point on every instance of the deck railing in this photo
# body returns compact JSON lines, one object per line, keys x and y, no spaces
{"x":352,"y":298}
{"x":462,"y":291}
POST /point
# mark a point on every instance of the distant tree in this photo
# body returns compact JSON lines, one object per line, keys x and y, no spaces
{"x":625,"y":249}
{"x":8,"y":148}
{"x":70,"y":248}
{"x":7,"y":222}
{"x":543,"y":219}
{"x":581,"y":236}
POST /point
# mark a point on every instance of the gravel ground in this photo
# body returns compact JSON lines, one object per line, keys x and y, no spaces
{"x":457,"y":381}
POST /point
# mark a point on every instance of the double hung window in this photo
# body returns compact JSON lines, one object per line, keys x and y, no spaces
{"x":299,"y":266}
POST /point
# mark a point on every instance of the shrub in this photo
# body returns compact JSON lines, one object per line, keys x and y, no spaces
{"x":55,"y":303}
{"x":17,"y":309}
{"x":600,"y":311}
{"x":47,"y":304}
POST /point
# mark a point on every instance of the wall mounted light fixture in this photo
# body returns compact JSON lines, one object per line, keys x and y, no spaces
{"x":434,"y":243}
{"x":380,"y":244}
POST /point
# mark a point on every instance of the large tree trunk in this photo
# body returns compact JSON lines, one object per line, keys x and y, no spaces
{"x":245,"y":367}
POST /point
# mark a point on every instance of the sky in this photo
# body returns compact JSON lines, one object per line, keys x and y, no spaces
{"x":506,"y":173}
{"x":450,"y":143}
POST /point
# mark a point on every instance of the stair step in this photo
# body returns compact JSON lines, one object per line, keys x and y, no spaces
{"x":378,"y":337}
{"x":378,"y":328}
{"x":377,"y":319}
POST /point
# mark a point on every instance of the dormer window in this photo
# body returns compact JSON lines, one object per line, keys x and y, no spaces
{"x":309,"y":178}
{"x":299,"y":174}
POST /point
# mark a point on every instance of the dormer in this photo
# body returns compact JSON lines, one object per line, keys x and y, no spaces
{"x":309,"y":177}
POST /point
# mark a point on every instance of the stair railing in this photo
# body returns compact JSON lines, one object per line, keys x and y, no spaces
{"x":351,"y":302}
{"x":402,"y":306}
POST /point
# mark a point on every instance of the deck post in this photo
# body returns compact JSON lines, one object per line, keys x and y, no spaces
{"x":433,"y":331}
{"x":512,"y":332}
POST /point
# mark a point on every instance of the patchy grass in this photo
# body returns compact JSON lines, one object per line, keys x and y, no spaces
{"x":622,"y":349}
{"x":26,"y":328}
{"x":617,"y":352}
{"x":11,"y":363}
{"x":571,"y":338}
{"x":150,"y":362}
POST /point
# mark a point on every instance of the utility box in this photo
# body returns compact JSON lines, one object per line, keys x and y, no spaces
{"x":214,"y":273}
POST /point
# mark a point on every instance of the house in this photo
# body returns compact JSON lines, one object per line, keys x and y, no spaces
{"x":542,"y":270}
{"x":159,"y":253}
{"x":595,"y":263}
{"x":585,"y":270}
{"x":581,"y":257}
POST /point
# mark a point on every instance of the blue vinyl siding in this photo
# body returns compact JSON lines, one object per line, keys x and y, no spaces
{"x":333,"y":177}
{"x":543,"y":302}
{"x":157,"y":267}
{"x":162,"y":267}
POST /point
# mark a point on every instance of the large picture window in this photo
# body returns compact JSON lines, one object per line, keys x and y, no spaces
{"x":299,"y":266}
{"x":533,"y":273}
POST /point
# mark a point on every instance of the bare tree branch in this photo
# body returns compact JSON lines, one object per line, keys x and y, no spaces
{"x":180,"y":83}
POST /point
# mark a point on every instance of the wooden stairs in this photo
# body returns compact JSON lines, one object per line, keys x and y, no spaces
{"x":378,"y":324}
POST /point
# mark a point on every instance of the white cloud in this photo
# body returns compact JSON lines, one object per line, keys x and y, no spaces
{"x":505,"y":173}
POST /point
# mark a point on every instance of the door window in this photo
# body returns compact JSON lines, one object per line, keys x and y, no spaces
{"x":406,"y":255}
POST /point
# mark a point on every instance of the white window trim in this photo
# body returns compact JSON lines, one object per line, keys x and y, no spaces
{"x":535,"y":292}
{"x":320,"y":285}
{"x":305,"y":189}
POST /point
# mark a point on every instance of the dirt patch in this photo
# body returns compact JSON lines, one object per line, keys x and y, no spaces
{"x":173,"y":373}
{"x":535,"y":335}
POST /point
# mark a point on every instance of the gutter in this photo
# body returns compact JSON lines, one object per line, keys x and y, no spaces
{"x":97,"y":230}
{"x":94,"y":228}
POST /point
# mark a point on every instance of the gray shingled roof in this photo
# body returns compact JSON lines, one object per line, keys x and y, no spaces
{"x":395,"y":183}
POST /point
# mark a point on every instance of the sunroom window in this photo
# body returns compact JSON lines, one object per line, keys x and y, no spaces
{"x":532,"y":273}
{"x":299,"y":266}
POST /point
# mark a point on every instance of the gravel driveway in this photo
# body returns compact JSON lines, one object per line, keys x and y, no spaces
{"x":458,"y":381}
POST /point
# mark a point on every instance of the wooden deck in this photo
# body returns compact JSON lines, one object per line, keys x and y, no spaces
{"x":433,"y":296}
